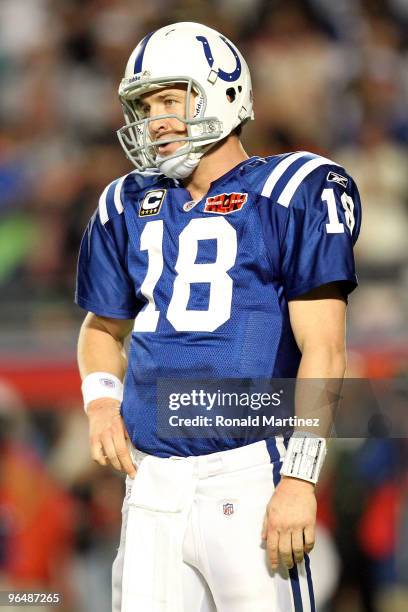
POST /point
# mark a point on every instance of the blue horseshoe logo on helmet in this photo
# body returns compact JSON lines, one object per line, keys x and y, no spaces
{"x":225,"y":76}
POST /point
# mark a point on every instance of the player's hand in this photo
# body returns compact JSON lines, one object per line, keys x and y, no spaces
{"x":289,"y":523}
{"x":108,"y":436}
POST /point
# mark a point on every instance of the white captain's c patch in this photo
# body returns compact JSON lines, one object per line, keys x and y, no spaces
{"x":152,"y":202}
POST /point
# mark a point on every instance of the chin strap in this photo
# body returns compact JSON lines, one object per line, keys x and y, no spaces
{"x":179,"y":167}
{"x":182,"y":166}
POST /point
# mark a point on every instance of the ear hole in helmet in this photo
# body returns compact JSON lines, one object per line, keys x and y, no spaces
{"x":239,"y":88}
{"x":231,"y":94}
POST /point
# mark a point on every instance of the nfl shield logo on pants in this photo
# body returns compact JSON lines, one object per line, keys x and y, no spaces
{"x":228,"y":509}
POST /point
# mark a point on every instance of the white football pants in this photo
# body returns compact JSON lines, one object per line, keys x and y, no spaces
{"x":191,"y":538}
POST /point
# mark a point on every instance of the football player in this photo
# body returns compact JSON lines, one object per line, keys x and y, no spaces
{"x":221,"y":266}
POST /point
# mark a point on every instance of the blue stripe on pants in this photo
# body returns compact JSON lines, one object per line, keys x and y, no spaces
{"x":294,"y":583}
{"x":310,"y":584}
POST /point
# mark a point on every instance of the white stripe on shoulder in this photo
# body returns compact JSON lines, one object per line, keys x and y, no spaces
{"x":103,"y":206}
{"x":291,"y":186}
{"x":277,"y":172}
{"x":117,"y":198}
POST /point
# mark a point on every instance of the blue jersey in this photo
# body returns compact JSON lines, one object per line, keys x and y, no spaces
{"x":208,"y":283}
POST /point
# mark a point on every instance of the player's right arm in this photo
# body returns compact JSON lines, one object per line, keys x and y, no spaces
{"x":106,"y":290}
{"x":101,"y":349}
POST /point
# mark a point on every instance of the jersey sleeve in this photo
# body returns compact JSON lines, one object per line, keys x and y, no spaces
{"x":322,"y":226}
{"x":104,"y":286}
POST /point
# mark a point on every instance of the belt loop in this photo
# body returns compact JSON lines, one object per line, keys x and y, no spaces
{"x":202,"y":466}
{"x":217,"y":464}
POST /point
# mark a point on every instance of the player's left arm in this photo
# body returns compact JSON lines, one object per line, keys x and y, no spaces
{"x":319,"y":225}
{"x":318,"y":323}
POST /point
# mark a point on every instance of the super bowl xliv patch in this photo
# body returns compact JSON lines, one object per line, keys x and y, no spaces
{"x":225,"y":203}
{"x":152,"y":202}
{"x":337,"y":178}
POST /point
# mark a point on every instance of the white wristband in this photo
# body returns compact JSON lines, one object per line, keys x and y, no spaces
{"x":304,"y":457}
{"x":101,"y":384}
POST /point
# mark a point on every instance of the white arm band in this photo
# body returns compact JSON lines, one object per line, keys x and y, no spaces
{"x":101,"y":384}
{"x":304,"y":457}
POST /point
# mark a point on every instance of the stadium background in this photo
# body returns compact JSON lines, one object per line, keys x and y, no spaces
{"x":331,"y":77}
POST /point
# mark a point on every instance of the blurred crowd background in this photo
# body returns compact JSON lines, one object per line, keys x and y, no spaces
{"x":331,"y":77}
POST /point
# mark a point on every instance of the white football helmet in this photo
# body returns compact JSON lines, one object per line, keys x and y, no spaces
{"x":212,"y":69}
